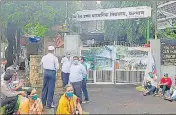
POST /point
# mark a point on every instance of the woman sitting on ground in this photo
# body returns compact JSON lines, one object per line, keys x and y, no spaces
{"x":69,"y":103}
{"x":32,"y":104}
{"x":150,"y":84}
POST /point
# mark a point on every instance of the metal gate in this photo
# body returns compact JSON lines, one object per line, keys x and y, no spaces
{"x":107,"y":77}
{"x":100,"y":77}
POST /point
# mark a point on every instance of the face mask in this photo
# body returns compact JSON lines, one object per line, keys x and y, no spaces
{"x":34,"y":97}
{"x":151,"y":75}
{"x":69,"y":94}
{"x":165,"y":77}
{"x":75,"y":62}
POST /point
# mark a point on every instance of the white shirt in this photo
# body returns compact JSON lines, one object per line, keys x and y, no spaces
{"x":66,"y":64}
{"x":50,"y":62}
{"x":77,"y":73}
{"x":2,"y":68}
{"x":2,"y":77}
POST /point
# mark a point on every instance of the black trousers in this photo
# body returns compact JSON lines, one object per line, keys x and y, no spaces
{"x":10,"y":103}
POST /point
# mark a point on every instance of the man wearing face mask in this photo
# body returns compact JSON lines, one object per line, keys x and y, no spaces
{"x":65,"y":63}
{"x":77,"y":73}
{"x":165,"y":83}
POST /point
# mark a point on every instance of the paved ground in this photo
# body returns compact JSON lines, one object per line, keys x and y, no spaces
{"x":124,"y":99}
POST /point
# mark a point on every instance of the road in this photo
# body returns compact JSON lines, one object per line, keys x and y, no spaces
{"x":124,"y":99}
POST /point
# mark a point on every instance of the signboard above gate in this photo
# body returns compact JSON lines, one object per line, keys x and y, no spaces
{"x":113,"y":13}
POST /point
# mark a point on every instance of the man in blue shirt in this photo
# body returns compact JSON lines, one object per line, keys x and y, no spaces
{"x":77,"y":73}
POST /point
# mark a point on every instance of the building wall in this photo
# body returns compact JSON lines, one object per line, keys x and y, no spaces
{"x":161,"y":69}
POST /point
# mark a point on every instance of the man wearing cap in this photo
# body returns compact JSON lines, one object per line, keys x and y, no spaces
{"x":50,"y":65}
{"x":172,"y":92}
{"x":66,"y":64}
{"x":165,"y":84}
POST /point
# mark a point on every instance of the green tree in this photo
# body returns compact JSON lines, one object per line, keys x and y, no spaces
{"x":130,"y":29}
{"x":31,"y":17}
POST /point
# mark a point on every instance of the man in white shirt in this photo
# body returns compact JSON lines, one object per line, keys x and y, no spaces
{"x":50,"y":65}
{"x":77,"y":73}
{"x":66,"y":64}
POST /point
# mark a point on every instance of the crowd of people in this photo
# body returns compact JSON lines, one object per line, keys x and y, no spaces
{"x":74,"y":78}
{"x":27,"y":101}
{"x":163,"y":88}
{"x":19,"y":100}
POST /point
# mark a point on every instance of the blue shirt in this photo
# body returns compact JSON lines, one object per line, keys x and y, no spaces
{"x":77,"y":73}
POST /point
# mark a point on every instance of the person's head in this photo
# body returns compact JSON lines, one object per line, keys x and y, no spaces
{"x":165,"y":75}
{"x":4,"y":61}
{"x":75,"y":60}
{"x":68,"y":55}
{"x":150,"y":74}
{"x":9,"y":74}
{"x":82,"y":59}
{"x":69,"y":90}
{"x":51,"y":49}
{"x":32,"y":94}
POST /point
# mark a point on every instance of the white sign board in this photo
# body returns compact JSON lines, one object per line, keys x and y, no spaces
{"x":72,"y":44}
{"x":164,"y":24}
{"x":113,"y":13}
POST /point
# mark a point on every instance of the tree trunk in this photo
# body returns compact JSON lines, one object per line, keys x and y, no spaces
{"x":18,"y":45}
{"x":11,"y":32}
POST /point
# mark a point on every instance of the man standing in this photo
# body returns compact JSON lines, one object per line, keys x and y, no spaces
{"x":50,"y":65}
{"x":77,"y":73}
{"x":66,"y":63}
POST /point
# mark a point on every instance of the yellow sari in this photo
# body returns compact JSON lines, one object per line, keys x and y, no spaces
{"x":66,"y":106}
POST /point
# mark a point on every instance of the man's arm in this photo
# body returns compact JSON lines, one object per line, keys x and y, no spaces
{"x":83,"y":69}
{"x":7,"y":92}
{"x":56,"y":63}
{"x":62,"y":61}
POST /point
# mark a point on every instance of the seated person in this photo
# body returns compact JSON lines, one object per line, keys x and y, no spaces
{"x":32,"y":104}
{"x":173,"y":93}
{"x":15,"y":85}
{"x":165,"y":83}
{"x":69,"y":103}
{"x":7,"y":85}
{"x":8,"y":95}
{"x":150,"y":84}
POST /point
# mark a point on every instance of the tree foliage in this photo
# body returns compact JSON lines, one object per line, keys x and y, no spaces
{"x":129,"y":30}
{"x":168,"y":33}
{"x":36,"y":17}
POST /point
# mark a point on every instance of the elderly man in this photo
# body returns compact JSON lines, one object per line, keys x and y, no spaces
{"x":66,"y":63}
{"x":7,"y":88}
{"x":50,"y":65}
{"x":77,"y":73}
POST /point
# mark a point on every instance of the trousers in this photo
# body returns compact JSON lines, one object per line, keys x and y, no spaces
{"x":48,"y":87}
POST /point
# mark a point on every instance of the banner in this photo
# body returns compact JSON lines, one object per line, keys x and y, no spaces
{"x":113,"y":13}
{"x":151,"y":66}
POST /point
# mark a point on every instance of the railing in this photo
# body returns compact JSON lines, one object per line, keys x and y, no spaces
{"x":120,"y":76}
